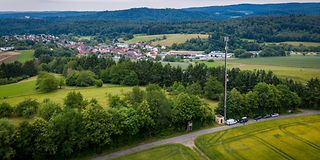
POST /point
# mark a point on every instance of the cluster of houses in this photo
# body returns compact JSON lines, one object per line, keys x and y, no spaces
{"x":198,"y":55}
{"x":5,"y":49}
{"x":44,"y":38}
{"x":134,"y":51}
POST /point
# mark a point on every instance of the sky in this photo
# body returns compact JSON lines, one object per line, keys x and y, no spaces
{"x":101,"y":5}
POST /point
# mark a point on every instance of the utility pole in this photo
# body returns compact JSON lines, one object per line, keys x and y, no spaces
{"x":226,"y":39}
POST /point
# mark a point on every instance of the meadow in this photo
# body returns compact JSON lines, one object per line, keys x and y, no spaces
{"x":25,"y":55}
{"x":301,"y":68}
{"x":21,"y":56}
{"x":17,"y":92}
{"x":171,"y":38}
{"x":307,"y":44}
{"x":290,"y":138}
{"x":164,"y":152}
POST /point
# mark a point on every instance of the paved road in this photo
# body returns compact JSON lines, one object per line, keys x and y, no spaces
{"x":188,"y":139}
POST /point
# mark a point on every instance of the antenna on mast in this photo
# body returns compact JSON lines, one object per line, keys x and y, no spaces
{"x":226,"y":39}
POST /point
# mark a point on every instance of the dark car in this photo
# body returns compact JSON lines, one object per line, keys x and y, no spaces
{"x":258,"y":118}
{"x":267,"y":116}
{"x":243,"y":120}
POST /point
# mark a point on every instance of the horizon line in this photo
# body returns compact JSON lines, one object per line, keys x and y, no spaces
{"x":17,"y":11}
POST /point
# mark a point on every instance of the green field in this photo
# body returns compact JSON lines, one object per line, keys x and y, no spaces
{"x":171,"y":38}
{"x":307,"y":44}
{"x":25,"y":55}
{"x":164,"y":152}
{"x":301,"y":68}
{"x":291,"y":138}
{"x":17,"y":92}
{"x":81,"y":38}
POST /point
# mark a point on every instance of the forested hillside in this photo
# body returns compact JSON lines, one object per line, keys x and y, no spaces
{"x":198,"y":13}
{"x":262,"y":29}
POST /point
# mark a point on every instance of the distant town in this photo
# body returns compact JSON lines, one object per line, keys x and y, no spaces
{"x":134,"y":51}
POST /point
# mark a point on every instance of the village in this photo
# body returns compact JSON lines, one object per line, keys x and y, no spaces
{"x":134,"y":51}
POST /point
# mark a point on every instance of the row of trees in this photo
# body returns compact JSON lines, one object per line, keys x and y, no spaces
{"x":60,"y":132}
{"x":13,"y":72}
{"x":263,"y":99}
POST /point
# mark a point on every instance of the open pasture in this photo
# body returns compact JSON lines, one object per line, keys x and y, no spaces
{"x":21,"y":56}
{"x":8,"y":56}
{"x":17,"y":92}
{"x":164,"y":152}
{"x":170,"y":38}
{"x":307,"y":44}
{"x":291,"y":138}
{"x":301,"y":68}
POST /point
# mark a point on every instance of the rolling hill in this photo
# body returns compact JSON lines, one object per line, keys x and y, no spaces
{"x":185,"y":14}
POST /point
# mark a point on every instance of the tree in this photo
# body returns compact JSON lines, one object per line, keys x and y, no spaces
{"x":62,"y":82}
{"x":98,"y":126}
{"x":160,"y":105}
{"x":236,"y":105}
{"x":105,"y":75}
{"x":127,"y":122}
{"x":145,"y":113}
{"x":66,"y":130}
{"x":47,"y":82}
{"x":269,"y":98}
{"x":135,"y":97}
{"x":27,"y":108}
{"x":252,"y":99}
{"x":116,"y":102}
{"x":311,"y":98}
{"x":5,"y":110}
{"x":288,"y":100}
{"x":6,"y":139}
{"x":213,"y":88}
{"x":130,"y":79}
{"x":44,"y":145}
{"x":185,"y":108}
{"x":74,"y":100}
{"x":177,"y":88}
{"x":49,"y":109}
{"x":24,"y":140}
{"x":194,"y":89}
{"x":86,"y":78}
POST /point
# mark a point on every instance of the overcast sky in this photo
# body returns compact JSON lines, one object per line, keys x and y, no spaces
{"x":99,"y":5}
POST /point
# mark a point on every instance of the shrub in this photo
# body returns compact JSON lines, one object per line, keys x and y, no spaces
{"x":5,"y":110}
{"x":99,"y":83}
{"x":27,"y":108}
{"x":49,"y":109}
{"x":74,"y":100}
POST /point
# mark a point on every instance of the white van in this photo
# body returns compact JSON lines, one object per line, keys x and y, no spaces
{"x":231,"y":121}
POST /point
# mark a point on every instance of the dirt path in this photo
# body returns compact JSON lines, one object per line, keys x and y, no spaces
{"x":188,"y":139}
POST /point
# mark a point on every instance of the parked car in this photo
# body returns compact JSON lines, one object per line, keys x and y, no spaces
{"x":231,"y":121}
{"x":243,"y":120}
{"x":258,"y":118}
{"x":267,"y":116}
{"x":275,"y":115}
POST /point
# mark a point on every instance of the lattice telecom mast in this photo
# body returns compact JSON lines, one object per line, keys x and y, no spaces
{"x":226,"y":39}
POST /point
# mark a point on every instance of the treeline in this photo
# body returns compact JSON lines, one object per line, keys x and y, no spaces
{"x":127,"y":72}
{"x":263,"y":99}
{"x":262,"y":29}
{"x":60,"y":132}
{"x":16,"y":71}
{"x":215,"y":42}
{"x":91,"y":70}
